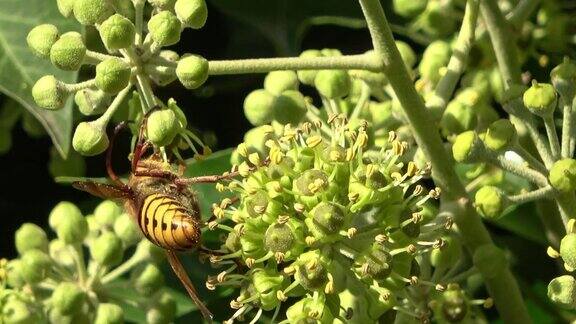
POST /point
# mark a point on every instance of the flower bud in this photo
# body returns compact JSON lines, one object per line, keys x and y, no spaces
{"x":60,"y":253}
{"x":490,"y":260}
{"x":149,"y":251}
{"x":192,"y":13}
{"x":112,"y":75}
{"x":447,"y":255}
{"x":48,"y":93}
{"x":267,"y":284}
{"x":290,"y":107}
{"x":106,"y":213}
{"x":468,"y":148}
{"x":500,"y":136}
{"x":407,"y":53}
{"x":540,"y":99}
{"x":163,"y":4}
{"x":148,"y":280}
{"x":563,"y":78}
{"x":91,"y":102}
{"x":14,"y":276}
{"x":409,"y":8}
{"x":17,"y":311}
{"x":107,"y":249}
{"x":307,"y":76}
{"x":164,"y":28}
{"x":436,"y":21}
{"x":277,"y":82}
{"x":457,"y":118}
{"x":68,"y":52}
{"x":61,"y":211}
{"x":333,"y":84}
{"x":162,"y":127}
{"x":29,"y":237}
{"x":117,"y":32}
{"x":563,"y":175}
{"x":568,"y":250}
{"x":109,"y":314}
{"x":490,"y":202}
{"x":436,"y":56}
{"x":91,"y":12}
{"x":163,"y":311}
{"x":66,"y":7}
{"x":41,"y":39}
{"x":35,"y":266}
{"x":72,"y":229}
{"x":259,"y":107}
{"x":562,"y":291}
{"x":68,"y":298}
{"x":90,"y":138}
{"x":127,"y":230}
{"x":192,"y":71}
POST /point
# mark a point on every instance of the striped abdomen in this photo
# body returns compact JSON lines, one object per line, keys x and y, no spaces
{"x":167,"y":223}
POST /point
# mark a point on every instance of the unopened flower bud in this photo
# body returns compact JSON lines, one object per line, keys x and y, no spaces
{"x":409,"y":8}
{"x":61,"y":211}
{"x":436,"y":56}
{"x":15,"y":310}
{"x":14,"y":276}
{"x":127,"y":230}
{"x":407,"y":54}
{"x":107,"y":249}
{"x":562,"y":291}
{"x":41,"y":39}
{"x":192,"y":13}
{"x":91,"y":12}
{"x":563,"y":175}
{"x":106,"y":213}
{"x":290,"y":107}
{"x":148,"y":280}
{"x":163,"y":4}
{"x":192,"y":71}
{"x":92,"y":102}
{"x":457,"y":118}
{"x":164,"y":28}
{"x":117,"y":32}
{"x":48,"y":93}
{"x":149,"y":251}
{"x":540,"y":99}
{"x":277,"y":82}
{"x":90,"y":138}
{"x":259,"y":107}
{"x":563,"y":78}
{"x":68,"y":52}
{"x":109,"y":314}
{"x":568,"y":250}
{"x":30,"y":236}
{"x":68,"y":298}
{"x":333,"y":84}
{"x":35,"y":266}
{"x":60,"y":253}
{"x":112,"y":75}
{"x":307,"y":76}
{"x":468,"y":148}
{"x":66,"y":7}
{"x":490,"y":260}
{"x":500,"y":135}
{"x":162,"y":127}
{"x":490,"y":202}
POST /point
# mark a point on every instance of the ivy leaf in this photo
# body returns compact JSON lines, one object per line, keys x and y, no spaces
{"x":19,"y":68}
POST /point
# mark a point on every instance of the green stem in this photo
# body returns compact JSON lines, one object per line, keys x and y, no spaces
{"x":145,"y":91}
{"x":78,"y":86}
{"x":122,"y":269}
{"x":78,"y":256}
{"x":105,"y":118}
{"x":264,"y":65}
{"x":542,"y":193}
{"x":139,"y":17}
{"x":530,"y":159}
{"x":552,"y":136}
{"x":503,"y":288}
{"x":522,"y":12}
{"x":520,"y":170}
{"x":95,"y":57}
{"x":567,"y":124}
{"x":567,"y":206}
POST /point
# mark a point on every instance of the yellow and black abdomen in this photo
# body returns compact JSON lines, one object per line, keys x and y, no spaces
{"x":167,"y":223}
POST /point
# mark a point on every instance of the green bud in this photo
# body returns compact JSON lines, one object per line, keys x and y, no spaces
{"x":290,"y":107}
{"x":457,"y":118}
{"x":468,"y":148}
{"x":259,"y":107}
{"x":117,"y":32}
{"x":162,"y":127}
{"x":163,"y":4}
{"x":192,"y":71}
{"x":16,"y":311}
{"x":61,"y":211}
{"x":60,"y":253}
{"x":30,"y":236}
{"x":448,"y":254}
{"x":277,"y":82}
{"x":149,"y":251}
{"x":148,"y":280}
{"x":409,"y":8}
{"x":68,"y":52}
{"x":568,"y":250}
{"x":91,"y":12}
{"x":72,"y":229}
{"x":436,"y":21}
{"x":35,"y":266}
{"x":163,"y":312}
{"x":563,"y":78}
{"x":109,"y":314}
{"x":192,"y":13}
{"x":164,"y":28}
{"x":112,"y":75}
{"x":267,"y":283}
{"x":68,"y":298}
{"x":307,"y":76}
{"x":490,"y":260}
{"x":107,"y":249}
{"x":48,"y":93}
{"x":490,"y":202}
{"x":107,"y":212}
{"x":563,"y":175}
{"x":540,"y":99}
{"x":41,"y":39}
{"x":127,"y":230}
{"x":436,"y":56}
{"x":500,"y":136}
{"x":562,"y":291}
{"x":333,"y":84}
{"x":90,"y":138}
{"x":14,"y":276}
{"x":66,"y":7}
{"x":91,"y":102}
{"x":407,"y":53}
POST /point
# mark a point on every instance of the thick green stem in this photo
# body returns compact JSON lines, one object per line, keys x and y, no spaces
{"x":567,"y":124}
{"x":264,"y":65}
{"x":542,"y":193}
{"x":520,"y":170}
{"x":552,"y":136}
{"x":503,"y":288}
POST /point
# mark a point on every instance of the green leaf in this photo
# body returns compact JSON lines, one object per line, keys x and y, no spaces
{"x":19,"y":68}
{"x":284,"y":21}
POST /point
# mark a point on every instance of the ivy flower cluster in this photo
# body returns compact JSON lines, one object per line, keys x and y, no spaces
{"x":75,"y":277}
{"x":135,"y":58}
